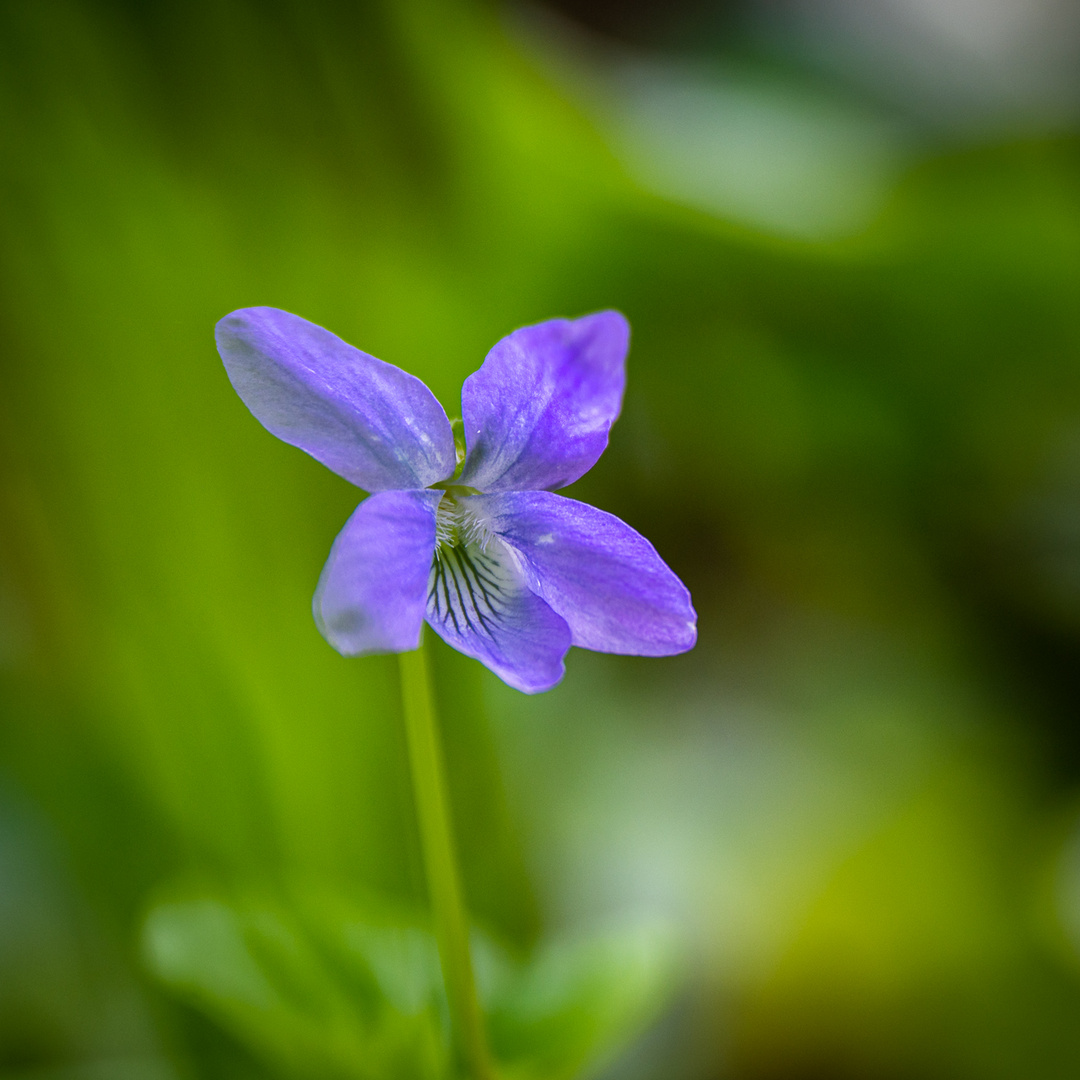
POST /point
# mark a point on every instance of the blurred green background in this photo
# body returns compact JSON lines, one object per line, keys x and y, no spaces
{"x":840,"y":839}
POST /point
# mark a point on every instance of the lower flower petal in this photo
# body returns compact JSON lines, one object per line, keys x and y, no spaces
{"x":602,"y":577}
{"x":373,"y":589}
{"x":479,"y":603}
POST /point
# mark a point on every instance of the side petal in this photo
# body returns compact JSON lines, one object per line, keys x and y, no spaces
{"x":479,"y":604}
{"x":372,"y":591}
{"x":370,"y":422}
{"x":602,"y":577}
{"x":538,"y":412}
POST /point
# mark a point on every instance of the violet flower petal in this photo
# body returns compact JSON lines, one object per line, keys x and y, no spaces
{"x":370,"y":422}
{"x":538,"y":412}
{"x":602,"y":577}
{"x":372,"y":592}
{"x":479,"y":604}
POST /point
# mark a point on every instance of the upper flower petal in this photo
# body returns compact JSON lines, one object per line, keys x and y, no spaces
{"x":370,"y":422}
{"x":538,"y":412}
{"x":602,"y":577}
{"x":373,"y":589}
{"x":479,"y":603}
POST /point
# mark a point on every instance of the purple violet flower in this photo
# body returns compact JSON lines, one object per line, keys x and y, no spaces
{"x":502,"y":569}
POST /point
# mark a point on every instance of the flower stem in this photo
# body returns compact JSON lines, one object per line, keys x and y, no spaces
{"x":440,"y":863}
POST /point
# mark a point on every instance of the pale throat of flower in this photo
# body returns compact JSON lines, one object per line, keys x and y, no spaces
{"x":458,"y":524}
{"x":474,"y":574}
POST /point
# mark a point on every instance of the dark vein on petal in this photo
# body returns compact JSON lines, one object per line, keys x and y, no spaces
{"x":481,"y":593}
{"x":449,"y":602}
{"x":461,"y":597}
{"x":458,"y":555}
{"x":481,"y":579}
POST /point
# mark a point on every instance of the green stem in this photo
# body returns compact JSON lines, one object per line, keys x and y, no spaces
{"x":444,"y":883}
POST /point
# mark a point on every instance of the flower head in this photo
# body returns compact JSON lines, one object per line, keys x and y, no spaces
{"x":477,"y":545}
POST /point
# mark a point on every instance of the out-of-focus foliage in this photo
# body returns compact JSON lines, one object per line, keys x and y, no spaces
{"x":331,"y":989}
{"x":853,"y":805}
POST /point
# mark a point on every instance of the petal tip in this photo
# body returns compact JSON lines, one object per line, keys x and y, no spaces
{"x":612,"y":316}
{"x":684,"y":640}
{"x":242,"y":317}
{"x":533,"y":688}
{"x":613,"y":325}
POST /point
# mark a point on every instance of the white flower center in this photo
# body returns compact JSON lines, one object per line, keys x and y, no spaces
{"x":474,"y":576}
{"x":459,"y":525}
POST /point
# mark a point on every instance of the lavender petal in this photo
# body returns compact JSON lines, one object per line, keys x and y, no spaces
{"x":370,"y":422}
{"x":372,"y":591}
{"x":606,"y":580}
{"x":538,"y":412}
{"x":479,"y":604}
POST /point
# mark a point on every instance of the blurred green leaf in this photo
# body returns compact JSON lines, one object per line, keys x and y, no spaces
{"x":360,"y":999}
{"x":579,"y":1001}
{"x":329,"y":989}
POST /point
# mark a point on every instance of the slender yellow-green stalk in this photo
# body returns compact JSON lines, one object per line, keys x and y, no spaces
{"x":440,"y":862}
